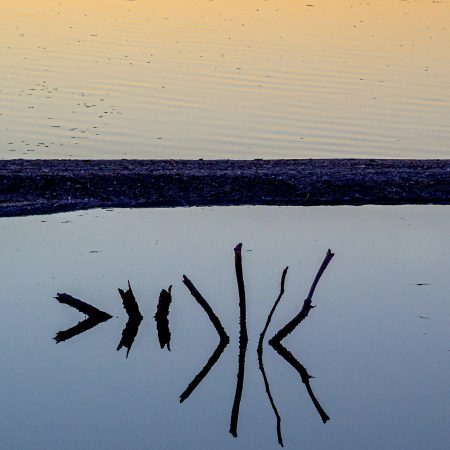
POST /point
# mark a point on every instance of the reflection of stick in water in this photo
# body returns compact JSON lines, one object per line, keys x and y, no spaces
{"x":134,"y":319}
{"x":95,"y":316}
{"x":261,"y":361}
{"x":304,"y":375}
{"x":224,"y":339}
{"x":162,"y":317}
{"x":243,"y":340}
{"x":275,"y":342}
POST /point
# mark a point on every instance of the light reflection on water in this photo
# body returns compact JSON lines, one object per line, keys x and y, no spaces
{"x":215,"y":79}
{"x":377,"y":343}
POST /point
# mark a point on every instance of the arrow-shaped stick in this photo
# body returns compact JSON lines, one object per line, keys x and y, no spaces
{"x":95,"y":316}
{"x":224,"y":339}
{"x":134,"y":319}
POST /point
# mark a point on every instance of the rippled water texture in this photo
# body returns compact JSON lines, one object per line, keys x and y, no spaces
{"x":214,"y":79}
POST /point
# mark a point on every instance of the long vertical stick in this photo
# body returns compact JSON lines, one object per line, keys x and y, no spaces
{"x":243,"y":340}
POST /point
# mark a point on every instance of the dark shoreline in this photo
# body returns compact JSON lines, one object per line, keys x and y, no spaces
{"x":48,"y":186}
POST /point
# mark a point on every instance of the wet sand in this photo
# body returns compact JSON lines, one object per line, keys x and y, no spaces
{"x":48,"y":186}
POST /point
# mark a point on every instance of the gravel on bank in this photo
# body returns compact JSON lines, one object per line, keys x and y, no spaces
{"x":49,"y":186}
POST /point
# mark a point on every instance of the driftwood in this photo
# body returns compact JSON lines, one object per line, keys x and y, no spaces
{"x":295,"y":322}
{"x":94,"y":317}
{"x":243,"y":340}
{"x":162,"y":318}
{"x":275,"y":342}
{"x":261,"y":360}
{"x":224,"y":340}
{"x":134,"y":319}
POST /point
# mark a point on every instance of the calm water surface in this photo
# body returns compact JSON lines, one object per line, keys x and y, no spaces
{"x":224,"y":79}
{"x":378,"y":343}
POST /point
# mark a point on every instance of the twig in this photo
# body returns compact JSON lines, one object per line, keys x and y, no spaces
{"x":95,"y":316}
{"x":224,"y":340}
{"x":261,"y":361}
{"x":162,"y":318}
{"x":243,"y":340}
{"x":131,"y":329}
{"x":293,"y":324}
{"x":304,"y":375}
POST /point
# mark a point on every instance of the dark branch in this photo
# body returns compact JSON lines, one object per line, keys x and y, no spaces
{"x":205,"y":305}
{"x":293,"y":324}
{"x":243,"y":340}
{"x":131,"y":329}
{"x":162,"y":318}
{"x":95,"y":316}
{"x":224,"y":340}
{"x":305,"y":377}
{"x":261,"y":360}
{"x":205,"y":370}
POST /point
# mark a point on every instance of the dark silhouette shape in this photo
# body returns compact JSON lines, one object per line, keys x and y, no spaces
{"x":94,"y":317}
{"x":162,"y":318}
{"x":224,"y":340}
{"x":134,"y":319}
{"x":293,"y":324}
{"x":275,"y":342}
{"x":243,"y":340}
{"x":261,"y":361}
{"x":304,"y":375}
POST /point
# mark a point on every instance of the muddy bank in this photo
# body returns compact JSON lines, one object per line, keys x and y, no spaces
{"x":48,"y":186}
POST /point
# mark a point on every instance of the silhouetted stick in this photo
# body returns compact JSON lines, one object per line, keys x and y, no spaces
{"x":162,"y":317}
{"x":205,"y":305}
{"x":290,"y":326}
{"x":95,"y":316}
{"x":305,"y":377}
{"x":224,"y":340}
{"x":275,"y":342}
{"x":243,"y":340}
{"x":80,"y":305}
{"x":261,"y":361}
{"x":134,"y":319}
{"x":205,"y":370}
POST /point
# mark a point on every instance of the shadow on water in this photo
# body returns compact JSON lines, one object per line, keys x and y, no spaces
{"x":162,"y":317}
{"x":224,"y":340}
{"x":94,"y":317}
{"x":134,"y":319}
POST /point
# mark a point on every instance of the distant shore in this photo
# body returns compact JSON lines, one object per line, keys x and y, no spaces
{"x":48,"y":186}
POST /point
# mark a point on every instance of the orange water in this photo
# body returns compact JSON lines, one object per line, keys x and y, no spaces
{"x":224,"y":79}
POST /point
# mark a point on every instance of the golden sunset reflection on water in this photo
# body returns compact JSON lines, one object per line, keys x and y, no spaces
{"x":216,"y":79}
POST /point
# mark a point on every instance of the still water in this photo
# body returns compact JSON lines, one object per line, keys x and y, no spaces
{"x":378,"y":342}
{"x":224,"y":79}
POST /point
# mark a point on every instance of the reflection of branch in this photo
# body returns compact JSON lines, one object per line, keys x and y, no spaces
{"x":290,"y":326}
{"x":162,"y":318}
{"x":261,"y":362}
{"x":95,"y":316}
{"x":243,"y":340}
{"x":205,"y":370}
{"x":289,"y":357}
{"x":224,"y":340}
{"x":134,"y":319}
{"x":275,"y":342}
